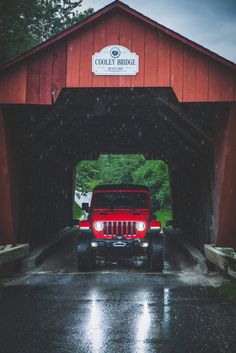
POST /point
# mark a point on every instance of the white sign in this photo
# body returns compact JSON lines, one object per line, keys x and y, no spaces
{"x":115,"y":60}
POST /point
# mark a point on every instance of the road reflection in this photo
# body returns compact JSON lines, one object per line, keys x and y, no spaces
{"x":166,"y":312}
{"x":143,"y":326}
{"x":138,"y":322}
{"x":94,"y":326}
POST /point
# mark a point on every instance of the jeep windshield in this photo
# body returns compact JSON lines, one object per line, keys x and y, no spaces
{"x":120,"y":200}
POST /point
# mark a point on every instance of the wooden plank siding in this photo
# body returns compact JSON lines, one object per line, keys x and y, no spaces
{"x":45,"y":78}
{"x":215,"y":77}
{"x":32,"y":81}
{"x":59,"y":69}
{"x":150,"y":57}
{"x":164,"y":62}
{"x":227,"y":92}
{"x":86,"y":52}
{"x":113,"y":37}
{"x":13,"y":85}
{"x":176,"y":69}
{"x":126,"y":30}
{"x":189,"y":76}
{"x":73,"y":62}
{"x":202,"y":79}
{"x":234,"y":87}
{"x":99,"y":42}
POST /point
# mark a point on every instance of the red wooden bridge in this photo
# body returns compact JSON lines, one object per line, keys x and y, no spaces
{"x":54,"y":112}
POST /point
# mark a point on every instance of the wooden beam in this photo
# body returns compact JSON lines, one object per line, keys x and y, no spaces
{"x":12,"y":253}
{"x":189,"y":127}
{"x":225,"y":168}
{"x":223,"y":258}
{"x":7,"y":224}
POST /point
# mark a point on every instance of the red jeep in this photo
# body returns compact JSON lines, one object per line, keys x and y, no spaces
{"x":121,"y":218}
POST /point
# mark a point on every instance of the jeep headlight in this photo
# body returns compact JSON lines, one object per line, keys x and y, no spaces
{"x":98,"y":226}
{"x":140,"y":226}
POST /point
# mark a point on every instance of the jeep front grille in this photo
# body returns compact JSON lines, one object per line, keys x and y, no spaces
{"x":127,"y":228}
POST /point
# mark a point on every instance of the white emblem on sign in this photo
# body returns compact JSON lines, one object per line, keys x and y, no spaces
{"x":115,"y":60}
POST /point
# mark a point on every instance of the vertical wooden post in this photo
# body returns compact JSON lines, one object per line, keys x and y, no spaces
{"x":226,"y":184}
{"x":7,"y":229}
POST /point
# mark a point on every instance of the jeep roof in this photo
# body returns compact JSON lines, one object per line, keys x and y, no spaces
{"x":121,"y":187}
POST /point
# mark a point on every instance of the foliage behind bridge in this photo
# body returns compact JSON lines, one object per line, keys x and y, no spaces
{"x":26,"y":23}
{"x":126,"y":169}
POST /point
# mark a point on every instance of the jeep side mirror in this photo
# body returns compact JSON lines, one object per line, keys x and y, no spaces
{"x":85,"y":206}
{"x":156,"y":205}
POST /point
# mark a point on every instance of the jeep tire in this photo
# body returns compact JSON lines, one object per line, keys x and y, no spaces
{"x":85,"y":259}
{"x":155,"y":253}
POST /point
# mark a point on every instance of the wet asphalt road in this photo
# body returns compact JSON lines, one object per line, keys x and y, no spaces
{"x":115,"y":312}
{"x":117,"y":309}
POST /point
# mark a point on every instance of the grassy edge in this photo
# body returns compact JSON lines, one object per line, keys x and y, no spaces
{"x":163,"y":216}
{"x":228,"y":290}
{"x":77,"y":211}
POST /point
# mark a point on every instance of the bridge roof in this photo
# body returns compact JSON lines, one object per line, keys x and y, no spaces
{"x":109,"y":8}
{"x":166,"y":59}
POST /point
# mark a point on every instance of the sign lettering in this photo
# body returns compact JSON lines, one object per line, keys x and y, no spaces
{"x":115,"y":60}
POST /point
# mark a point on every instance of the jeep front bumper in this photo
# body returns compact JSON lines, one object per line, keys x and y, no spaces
{"x":129,"y":244}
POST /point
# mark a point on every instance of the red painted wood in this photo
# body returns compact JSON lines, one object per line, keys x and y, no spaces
{"x":59,"y":69}
{"x":70,"y":31}
{"x":73,"y":62}
{"x":45,"y":83}
{"x":177,"y":58}
{"x":189,"y":76}
{"x":150,"y":57}
{"x":214,"y":82}
{"x":227,"y":85}
{"x":162,"y":63}
{"x":13,"y":85}
{"x":174,"y":35}
{"x":7,"y":228}
{"x":234,"y":87}
{"x":118,"y":5}
{"x":138,"y":44}
{"x":113,"y":37}
{"x":126,"y":41}
{"x":86,"y":52}
{"x":226,"y":186}
{"x":100,"y":41}
{"x":163,"y":68}
{"x":32,"y":84}
{"x":202,"y":79}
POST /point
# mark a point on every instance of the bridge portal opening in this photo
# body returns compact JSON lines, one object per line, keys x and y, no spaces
{"x":47,"y":142}
{"x":123,"y":169}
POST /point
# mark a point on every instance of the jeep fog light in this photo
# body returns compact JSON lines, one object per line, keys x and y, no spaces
{"x":140,"y":226}
{"x":144,"y":244}
{"x":98,"y":226}
{"x":94,"y":244}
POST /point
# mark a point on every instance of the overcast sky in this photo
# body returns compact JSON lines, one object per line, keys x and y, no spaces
{"x":211,"y":23}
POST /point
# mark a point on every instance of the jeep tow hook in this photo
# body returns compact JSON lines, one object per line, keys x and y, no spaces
{"x":119,"y":244}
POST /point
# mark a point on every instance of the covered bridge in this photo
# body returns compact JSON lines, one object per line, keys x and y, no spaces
{"x":178,"y":104}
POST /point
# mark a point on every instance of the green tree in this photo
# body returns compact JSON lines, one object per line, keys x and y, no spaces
{"x":126,"y":169}
{"x":108,"y":169}
{"x":118,"y":169}
{"x":155,"y":175}
{"x":87,"y":172}
{"x":26,"y":23}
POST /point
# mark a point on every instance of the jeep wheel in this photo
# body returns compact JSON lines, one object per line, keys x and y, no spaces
{"x":155,"y":255}
{"x":84,"y":255}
